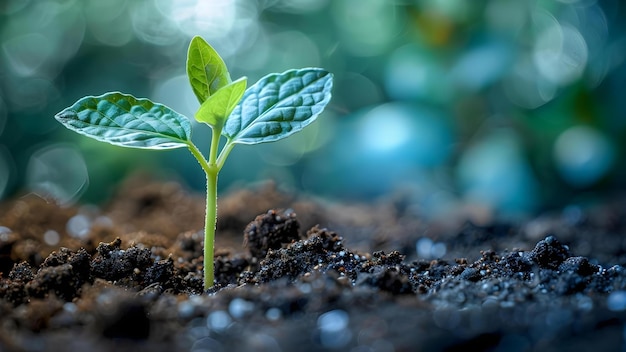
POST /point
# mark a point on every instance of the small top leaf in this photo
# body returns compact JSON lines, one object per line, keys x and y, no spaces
{"x":126,"y":121}
{"x":216,"y":109}
{"x":279,"y":105}
{"x":206,"y":70}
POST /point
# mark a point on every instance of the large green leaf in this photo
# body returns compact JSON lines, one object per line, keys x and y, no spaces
{"x":279,"y":105}
{"x":218,"y":106}
{"x":206,"y":70}
{"x":126,"y":121}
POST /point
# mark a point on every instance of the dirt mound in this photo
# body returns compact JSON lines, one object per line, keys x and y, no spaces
{"x":128,"y":276}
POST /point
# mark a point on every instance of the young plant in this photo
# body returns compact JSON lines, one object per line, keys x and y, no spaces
{"x":277,"y":106}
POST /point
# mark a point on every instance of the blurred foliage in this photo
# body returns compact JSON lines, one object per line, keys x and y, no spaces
{"x":506,"y":104}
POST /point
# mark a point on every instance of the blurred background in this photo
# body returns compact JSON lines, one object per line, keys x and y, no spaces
{"x":511,"y":105}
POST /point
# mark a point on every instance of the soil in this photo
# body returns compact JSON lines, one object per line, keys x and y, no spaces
{"x":298,"y":273}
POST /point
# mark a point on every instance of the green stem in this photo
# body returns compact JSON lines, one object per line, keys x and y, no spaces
{"x":211,"y":210}
{"x":198,"y":155}
{"x":224,"y":154}
{"x":209,"y":227}
{"x":211,"y":171}
{"x":215,"y":143}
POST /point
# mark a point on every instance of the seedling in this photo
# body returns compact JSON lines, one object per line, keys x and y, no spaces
{"x":277,"y":106}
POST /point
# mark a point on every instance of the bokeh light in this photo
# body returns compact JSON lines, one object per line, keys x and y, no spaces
{"x":57,"y":172}
{"x":3,"y":116}
{"x":511,"y":105}
{"x":560,"y":54}
{"x":6,"y":170}
{"x":397,"y":130}
{"x":151,"y":26}
{"x":109,"y":22}
{"x":175,"y":93}
{"x":583,"y":155}
{"x":493,"y":173}
{"x":483,"y":65}
{"x":416,"y":74}
{"x":367,"y":27}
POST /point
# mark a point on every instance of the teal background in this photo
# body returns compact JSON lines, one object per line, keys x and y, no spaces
{"x":512,"y":106}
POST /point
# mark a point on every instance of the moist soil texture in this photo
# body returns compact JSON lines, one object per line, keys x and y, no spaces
{"x":299,"y":273}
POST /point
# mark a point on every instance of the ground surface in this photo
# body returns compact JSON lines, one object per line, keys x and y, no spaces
{"x":312,"y":276}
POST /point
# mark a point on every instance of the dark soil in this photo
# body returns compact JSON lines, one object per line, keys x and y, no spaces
{"x":306,"y":275}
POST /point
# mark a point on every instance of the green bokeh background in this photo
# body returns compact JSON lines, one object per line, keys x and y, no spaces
{"x":510,"y":105}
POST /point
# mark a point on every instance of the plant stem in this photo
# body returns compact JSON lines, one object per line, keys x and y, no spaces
{"x":211,"y":209}
{"x":211,"y":170}
{"x":215,"y":143}
{"x":224,"y":154}
{"x":198,"y":155}
{"x":209,"y":227}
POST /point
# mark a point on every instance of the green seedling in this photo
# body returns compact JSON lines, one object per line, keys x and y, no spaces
{"x":277,"y":106}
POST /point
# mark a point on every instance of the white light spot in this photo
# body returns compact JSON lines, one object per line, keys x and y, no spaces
{"x":218,"y":321}
{"x":333,"y":326}
{"x":385,"y":128}
{"x":299,"y":6}
{"x":59,"y":172}
{"x":186,"y":309}
{"x":494,"y":173}
{"x":583,"y":155}
{"x":333,"y":321}
{"x":4,"y":233}
{"x":438,"y":250}
{"x":70,"y":307}
{"x":482,"y":66}
{"x":51,"y":237}
{"x":152,"y":26}
{"x":273,"y":314}
{"x":423,"y":247}
{"x":367,"y":27}
{"x":78,"y":226}
{"x":428,"y":249}
{"x":412,"y":74}
{"x":303,"y":51}
{"x":27,"y":53}
{"x":239,"y":308}
{"x":103,"y":221}
{"x":197,"y":16}
{"x":108,"y":22}
{"x":176,"y":93}
{"x":560,"y":54}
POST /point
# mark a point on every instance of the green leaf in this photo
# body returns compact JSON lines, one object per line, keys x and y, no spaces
{"x":206,"y":70}
{"x":216,"y":109}
{"x":279,"y":105}
{"x":126,"y":121}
